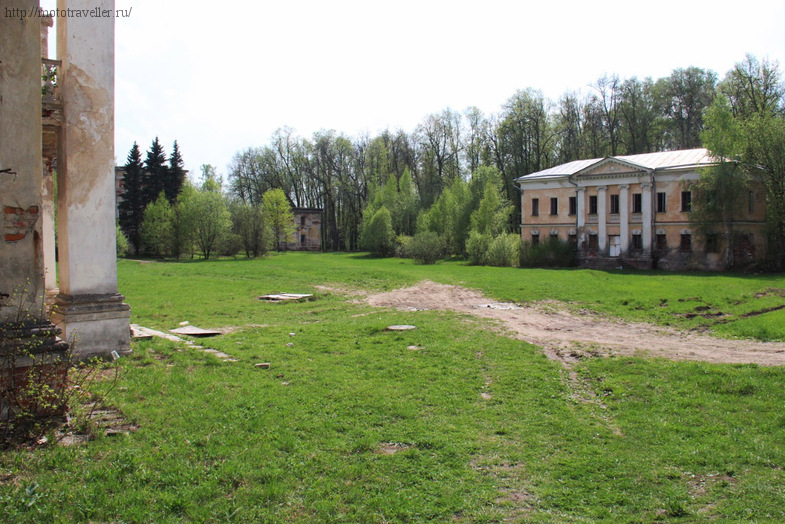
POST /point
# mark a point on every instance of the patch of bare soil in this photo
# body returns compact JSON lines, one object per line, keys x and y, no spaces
{"x":569,"y":337}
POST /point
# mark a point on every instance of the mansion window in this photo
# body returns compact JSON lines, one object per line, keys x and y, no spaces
{"x":593,"y":205}
{"x":637,"y":242}
{"x":614,"y":204}
{"x":751,"y":202}
{"x":573,"y":206}
{"x":535,"y":207}
{"x":686,"y":201}
{"x":712,"y":243}
{"x":662,"y":203}
{"x":594,"y":242}
{"x":573,"y":240}
{"x":686,"y":242}
{"x":554,"y":206}
{"x":662,"y":242}
{"x":535,"y":239}
{"x":637,"y":203}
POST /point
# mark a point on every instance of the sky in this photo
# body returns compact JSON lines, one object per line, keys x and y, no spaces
{"x":222,"y":77}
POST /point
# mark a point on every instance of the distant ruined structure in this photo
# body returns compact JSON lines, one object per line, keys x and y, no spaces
{"x":64,"y":124}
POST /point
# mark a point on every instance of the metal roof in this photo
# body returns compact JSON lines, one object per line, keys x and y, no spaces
{"x":649,"y":161}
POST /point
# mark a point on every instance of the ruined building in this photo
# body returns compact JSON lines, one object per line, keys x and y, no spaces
{"x":65,"y":125}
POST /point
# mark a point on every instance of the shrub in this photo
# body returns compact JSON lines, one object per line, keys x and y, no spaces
{"x":122,"y":244}
{"x":403,"y":246}
{"x":426,"y":247}
{"x":378,"y":236}
{"x":504,"y":251}
{"x":552,"y":253}
{"x":477,"y":247}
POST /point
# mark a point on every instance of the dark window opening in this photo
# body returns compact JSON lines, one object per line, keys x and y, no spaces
{"x":751,"y":202}
{"x":573,"y":206}
{"x":535,"y":239}
{"x":637,"y":242}
{"x":535,"y":207}
{"x":574,"y":240}
{"x":554,"y":206}
{"x":686,"y":242}
{"x":712,"y":243}
{"x":593,"y":205}
{"x":662,"y":242}
{"x":614,"y":204}
{"x":594,"y":242}
{"x":637,"y":203}
{"x":686,"y":201}
{"x":662,"y":203}
{"x":302,"y":239}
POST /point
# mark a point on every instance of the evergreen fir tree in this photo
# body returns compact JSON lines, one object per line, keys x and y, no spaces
{"x":175,"y":174}
{"x":133,"y":203}
{"x":156,"y":172}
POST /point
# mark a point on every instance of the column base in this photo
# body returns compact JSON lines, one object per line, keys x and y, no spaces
{"x":94,"y":325}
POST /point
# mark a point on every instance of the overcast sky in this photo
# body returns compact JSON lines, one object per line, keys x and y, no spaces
{"x":221,"y":77}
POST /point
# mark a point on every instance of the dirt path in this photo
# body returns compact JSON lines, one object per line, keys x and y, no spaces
{"x":568,"y":337}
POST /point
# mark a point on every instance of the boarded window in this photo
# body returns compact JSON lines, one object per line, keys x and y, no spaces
{"x":594,"y":242}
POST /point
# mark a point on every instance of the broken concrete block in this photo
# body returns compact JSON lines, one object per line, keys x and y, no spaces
{"x":263,"y":365}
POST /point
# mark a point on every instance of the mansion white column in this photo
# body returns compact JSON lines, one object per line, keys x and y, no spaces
{"x":581,"y":211}
{"x":88,"y":308}
{"x":602,"y":232}
{"x":646,"y":233}
{"x":624,"y":217}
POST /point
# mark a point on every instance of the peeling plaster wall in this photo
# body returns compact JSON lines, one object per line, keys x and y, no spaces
{"x":21,"y":252}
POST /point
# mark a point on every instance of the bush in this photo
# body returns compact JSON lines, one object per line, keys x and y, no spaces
{"x":426,"y":247}
{"x":477,"y":247}
{"x":552,"y":253}
{"x":504,"y":251}
{"x":378,"y":236}
{"x":122,"y":244}
{"x":403,"y":246}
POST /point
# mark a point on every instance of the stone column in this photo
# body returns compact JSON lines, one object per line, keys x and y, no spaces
{"x":624,"y":217}
{"x":88,"y":308}
{"x":580,"y":210}
{"x":646,"y":233}
{"x":23,"y":320}
{"x":602,"y":232}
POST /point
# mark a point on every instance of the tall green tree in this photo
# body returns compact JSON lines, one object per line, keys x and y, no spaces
{"x":175,"y":175}
{"x":157,"y":227}
{"x":747,"y":124}
{"x":279,"y":217}
{"x":155,"y":172}
{"x":133,"y":203}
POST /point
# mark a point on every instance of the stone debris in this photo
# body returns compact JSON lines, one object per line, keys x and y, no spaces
{"x":184,"y":323}
{"x":292,"y":334}
{"x":263,"y":365}
{"x":500,"y":305}
{"x":147,"y":333}
{"x":281,"y":297}
{"x":401,"y":327}
{"x":289,"y":345}
{"x":193,"y":331}
{"x":414,"y":348}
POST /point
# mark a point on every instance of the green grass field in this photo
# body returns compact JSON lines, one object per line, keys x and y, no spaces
{"x":349,"y":425}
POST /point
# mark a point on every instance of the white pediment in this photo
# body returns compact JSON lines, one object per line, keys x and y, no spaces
{"x":612,"y":166}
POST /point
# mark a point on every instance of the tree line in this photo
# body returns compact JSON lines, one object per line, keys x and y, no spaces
{"x":164,"y":214}
{"x":451,"y":179}
{"x":339,"y":173}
